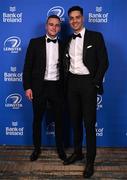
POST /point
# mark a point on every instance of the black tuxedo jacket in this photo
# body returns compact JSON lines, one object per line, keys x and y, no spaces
{"x":35,"y":64}
{"x":95,"y":57}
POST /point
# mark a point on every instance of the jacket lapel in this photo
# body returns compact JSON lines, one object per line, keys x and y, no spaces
{"x":60,"y":49}
{"x":43,"y":52}
{"x":43,"y":47}
{"x":85,"y":44}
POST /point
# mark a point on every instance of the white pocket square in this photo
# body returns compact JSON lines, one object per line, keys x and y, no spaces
{"x":89,"y":46}
{"x":67,"y":55}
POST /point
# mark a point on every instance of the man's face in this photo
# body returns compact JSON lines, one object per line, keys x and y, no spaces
{"x":76,"y":21}
{"x":53,"y":27}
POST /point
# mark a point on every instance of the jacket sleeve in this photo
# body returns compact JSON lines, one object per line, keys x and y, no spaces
{"x":102,"y":59}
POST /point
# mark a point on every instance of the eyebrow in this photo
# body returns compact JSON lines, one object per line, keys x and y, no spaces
{"x":50,"y":23}
{"x":75,"y":16}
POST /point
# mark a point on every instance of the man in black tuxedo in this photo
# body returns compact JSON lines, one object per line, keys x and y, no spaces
{"x":86,"y":62}
{"x":43,"y":80}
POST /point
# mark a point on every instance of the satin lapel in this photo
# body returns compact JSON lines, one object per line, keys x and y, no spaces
{"x":43,"y":50}
{"x":66,"y":48}
{"x":43,"y":46}
{"x":60,"y":49}
{"x":68,"y":43}
{"x":85,"y":44}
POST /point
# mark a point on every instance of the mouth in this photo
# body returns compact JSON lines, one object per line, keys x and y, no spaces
{"x":75,"y":25}
{"x":52,"y":32}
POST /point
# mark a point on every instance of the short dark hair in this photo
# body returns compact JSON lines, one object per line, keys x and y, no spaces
{"x":75,"y":8}
{"x":53,"y":16}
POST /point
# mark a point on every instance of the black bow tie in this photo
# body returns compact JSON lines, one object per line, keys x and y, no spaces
{"x":51,"y":40}
{"x":76,"y":35}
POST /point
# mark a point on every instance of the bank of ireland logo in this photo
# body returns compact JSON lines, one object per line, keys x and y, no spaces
{"x":12,"y":44}
{"x":13,"y":76}
{"x":98,"y":16}
{"x":13,"y":101}
{"x":56,"y":10}
{"x":12,"y":8}
{"x":14,"y":129}
{"x":51,"y":129}
{"x":14,"y":123}
{"x":98,"y":9}
{"x":99,"y":102}
{"x":12,"y":16}
{"x":99,"y":130}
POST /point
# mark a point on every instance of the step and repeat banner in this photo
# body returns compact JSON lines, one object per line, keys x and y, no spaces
{"x":22,"y":20}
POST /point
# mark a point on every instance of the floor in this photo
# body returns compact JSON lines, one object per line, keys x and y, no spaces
{"x":111,"y":163}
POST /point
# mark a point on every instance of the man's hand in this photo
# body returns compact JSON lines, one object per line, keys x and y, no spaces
{"x":29,"y":94}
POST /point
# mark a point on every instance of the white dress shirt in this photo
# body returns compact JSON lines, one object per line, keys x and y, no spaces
{"x":52,"y":55}
{"x":76,"y":55}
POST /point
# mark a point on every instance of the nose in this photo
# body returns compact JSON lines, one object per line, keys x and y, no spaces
{"x":74,"y":20}
{"x":54,"y":27}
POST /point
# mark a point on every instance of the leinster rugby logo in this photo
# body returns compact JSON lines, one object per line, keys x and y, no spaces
{"x":56,"y":10}
{"x":13,"y":101}
{"x":99,"y":102}
{"x":51,"y":129}
{"x":12,"y":44}
{"x":99,"y":99}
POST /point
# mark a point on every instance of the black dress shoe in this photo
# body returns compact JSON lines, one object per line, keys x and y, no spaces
{"x":35,"y":154}
{"x":61,"y":154}
{"x":89,"y":170}
{"x":73,"y":158}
